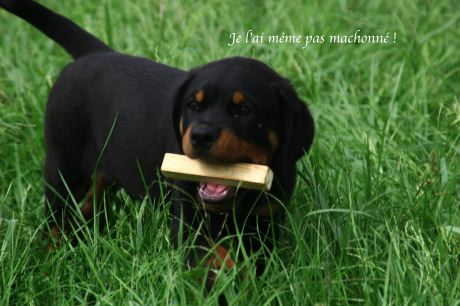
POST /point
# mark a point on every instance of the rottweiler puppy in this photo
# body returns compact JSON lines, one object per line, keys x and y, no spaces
{"x":110,"y":119}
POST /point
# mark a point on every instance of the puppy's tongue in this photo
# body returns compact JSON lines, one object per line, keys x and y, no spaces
{"x":215,"y":188}
{"x":213,"y":192}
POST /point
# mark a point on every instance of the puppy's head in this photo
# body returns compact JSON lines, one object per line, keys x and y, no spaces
{"x":240,"y":110}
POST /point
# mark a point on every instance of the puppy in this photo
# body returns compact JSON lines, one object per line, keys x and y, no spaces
{"x":110,"y":119}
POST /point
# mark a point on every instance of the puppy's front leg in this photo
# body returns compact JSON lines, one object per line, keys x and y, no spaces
{"x":190,"y":224}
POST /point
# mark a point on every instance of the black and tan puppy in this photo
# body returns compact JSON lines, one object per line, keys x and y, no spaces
{"x":111,"y":118}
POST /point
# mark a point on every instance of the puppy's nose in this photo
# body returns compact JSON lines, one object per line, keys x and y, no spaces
{"x":203,"y":137}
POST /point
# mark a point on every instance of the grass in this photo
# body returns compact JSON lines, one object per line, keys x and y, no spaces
{"x":375,"y":215}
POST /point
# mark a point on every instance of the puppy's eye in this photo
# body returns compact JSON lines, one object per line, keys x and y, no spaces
{"x":242,"y":111}
{"x":193,"y":106}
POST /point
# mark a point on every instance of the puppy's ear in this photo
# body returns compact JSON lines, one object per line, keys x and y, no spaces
{"x":178,"y":106}
{"x":298,"y":123}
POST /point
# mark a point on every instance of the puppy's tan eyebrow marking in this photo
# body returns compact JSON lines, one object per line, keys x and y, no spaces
{"x":199,"y":96}
{"x":238,"y":97}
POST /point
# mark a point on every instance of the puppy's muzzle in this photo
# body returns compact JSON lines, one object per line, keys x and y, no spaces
{"x":203,"y":137}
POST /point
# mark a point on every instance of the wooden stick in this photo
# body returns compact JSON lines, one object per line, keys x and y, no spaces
{"x":249,"y":176}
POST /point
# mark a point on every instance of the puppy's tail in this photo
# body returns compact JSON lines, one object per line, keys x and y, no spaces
{"x":76,"y":41}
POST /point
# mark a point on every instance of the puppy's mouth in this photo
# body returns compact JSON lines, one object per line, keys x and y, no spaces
{"x":218,"y":197}
{"x":211,"y":192}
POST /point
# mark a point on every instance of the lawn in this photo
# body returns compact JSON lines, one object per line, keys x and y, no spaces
{"x":375,"y":218}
